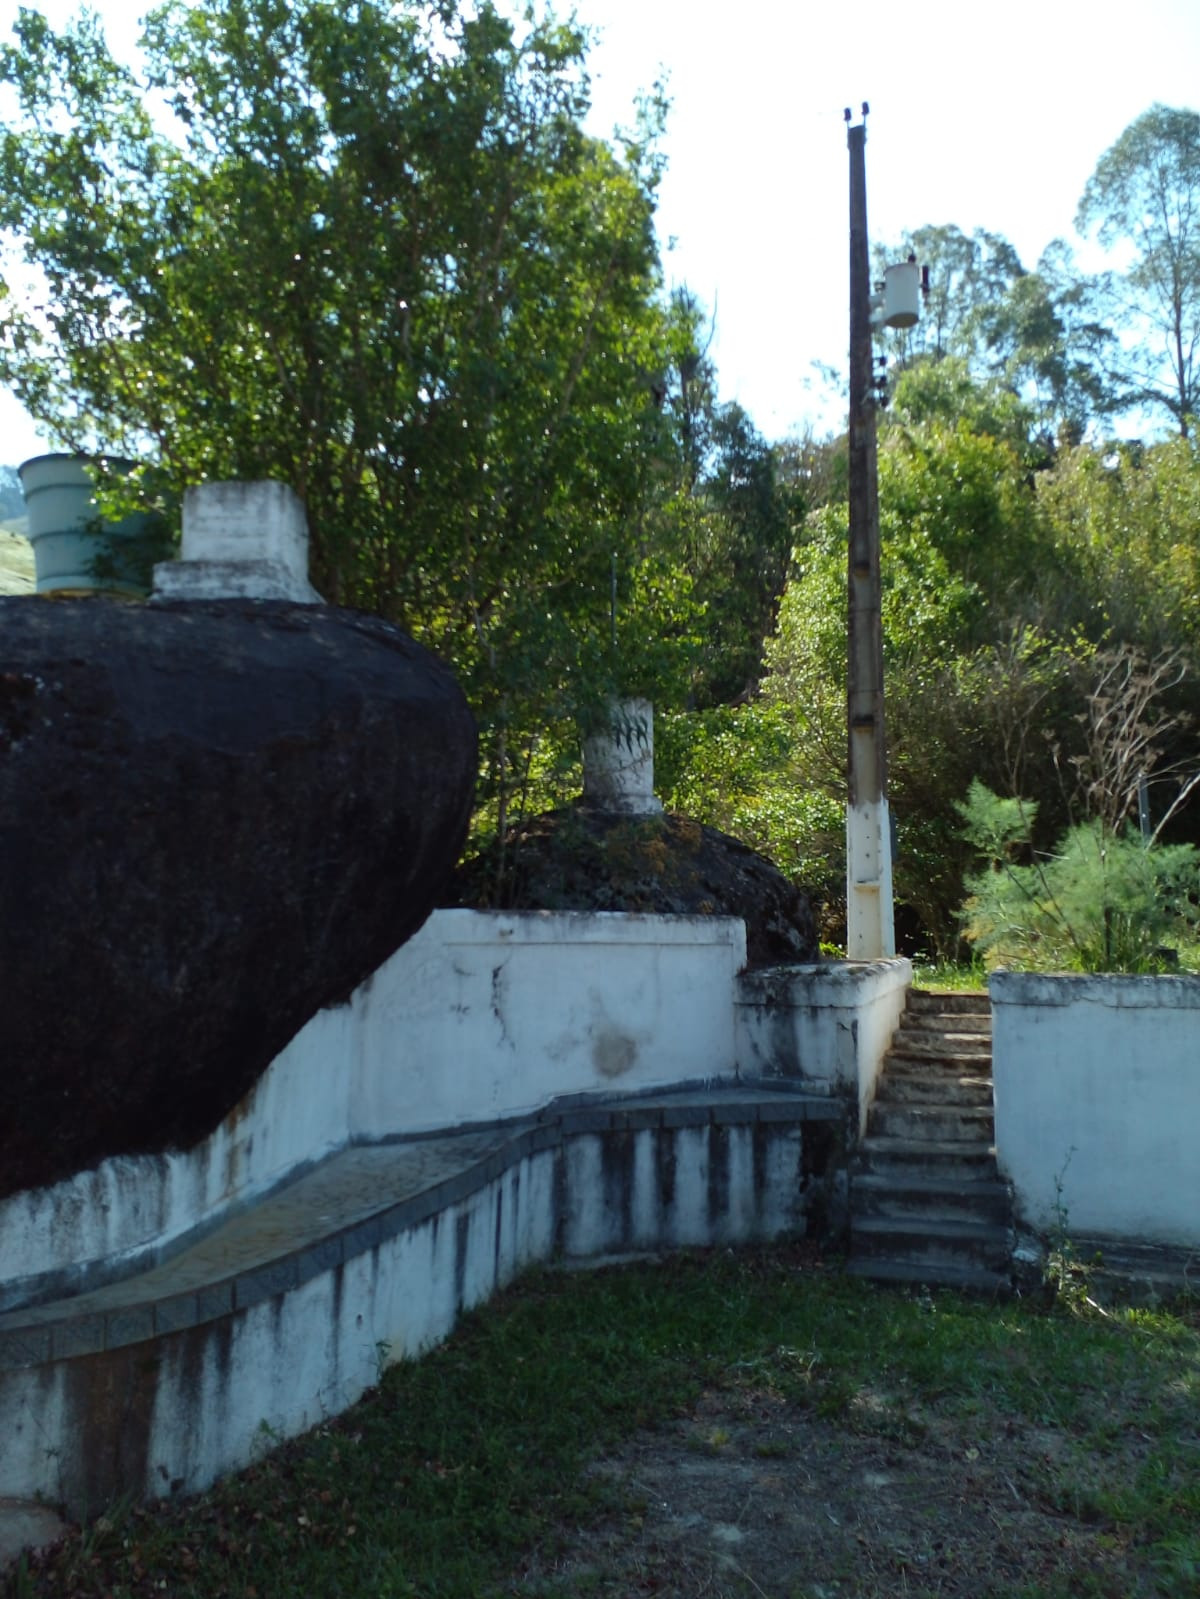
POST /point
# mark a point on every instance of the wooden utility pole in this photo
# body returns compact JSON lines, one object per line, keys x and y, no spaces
{"x":870,"y":928}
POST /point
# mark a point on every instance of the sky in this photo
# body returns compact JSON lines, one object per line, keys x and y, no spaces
{"x":981,"y":116}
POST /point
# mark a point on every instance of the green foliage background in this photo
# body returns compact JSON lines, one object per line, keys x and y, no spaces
{"x":370,"y":251}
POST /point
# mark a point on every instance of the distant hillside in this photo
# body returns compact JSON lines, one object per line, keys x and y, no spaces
{"x":16,"y":558}
{"x":12,"y":501}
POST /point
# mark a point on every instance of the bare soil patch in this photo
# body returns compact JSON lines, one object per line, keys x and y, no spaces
{"x":754,"y":1495}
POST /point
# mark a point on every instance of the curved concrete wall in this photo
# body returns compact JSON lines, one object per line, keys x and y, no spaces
{"x":505,"y":1089}
{"x":285,"y":1316}
{"x":478,"y":1017}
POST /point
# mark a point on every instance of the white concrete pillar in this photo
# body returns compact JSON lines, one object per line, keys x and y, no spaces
{"x":618,"y":764}
{"x":870,"y":925}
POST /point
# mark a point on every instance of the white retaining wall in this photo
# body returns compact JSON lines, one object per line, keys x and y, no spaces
{"x":494,"y":1015}
{"x":209,"y":1399}
{"x":152,"y":1417}
{"x":1097,"y":1084}
{"x":828,"y":1025}
{"x":478,"y":1017}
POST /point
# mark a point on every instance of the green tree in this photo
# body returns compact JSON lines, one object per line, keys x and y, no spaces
{"x":949,"y":392}
{"x":741,"y":569}
{"x":1045,"y":338}
{"x":375,"y":256}
{"x":1030,"y":348}
{"x":688,"y":385}
{"x":1127,"y":521}
{"x":731,"y":512}
{"x":968,"y":493}
{"x":1145,"y":194}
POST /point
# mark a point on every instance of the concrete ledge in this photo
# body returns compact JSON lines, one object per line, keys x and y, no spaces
{"x":163,"y":1381}
{"x":1114,"y":992}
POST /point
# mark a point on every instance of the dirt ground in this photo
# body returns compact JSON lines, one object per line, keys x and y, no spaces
{"x":751,"y":1495}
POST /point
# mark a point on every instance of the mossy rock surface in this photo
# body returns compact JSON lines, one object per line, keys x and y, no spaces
{"x":579,"y":859}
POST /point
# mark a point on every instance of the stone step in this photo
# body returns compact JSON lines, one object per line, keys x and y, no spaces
{"x":923,"y":1044}
{"x":960,"y":1159}
{"x":964,"y":1279}
{"x":933,"y":1244}
{"x":898,"y":1063}
{"x":977,"y":1024}
{"x":924,"y":1000}
{"x":936,"y":1123}
{"x":911,"y":1198}
{"x":935,"y":1088}
{"x":950,"y":1066}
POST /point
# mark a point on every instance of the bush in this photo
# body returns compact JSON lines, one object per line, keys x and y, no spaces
{"x":1098,"y":902}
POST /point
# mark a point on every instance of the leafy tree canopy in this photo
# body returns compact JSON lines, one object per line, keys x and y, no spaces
{"x":1145,"y":194}
{"x":1034,"y":345}
{"x":967,"y":272}
{"x":369,"y":250}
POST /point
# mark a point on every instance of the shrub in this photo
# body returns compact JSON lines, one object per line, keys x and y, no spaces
{"x":1098,"y":902}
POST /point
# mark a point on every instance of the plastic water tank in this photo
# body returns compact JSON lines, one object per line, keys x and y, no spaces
{"x":65,"y":530}
{"x":901,"y":294}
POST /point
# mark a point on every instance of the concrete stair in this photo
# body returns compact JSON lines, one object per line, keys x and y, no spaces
{"x":927,"y":1204}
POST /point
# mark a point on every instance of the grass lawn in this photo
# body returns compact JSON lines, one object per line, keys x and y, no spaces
{"x":967,"y":977}
{"x":718,"y":1424}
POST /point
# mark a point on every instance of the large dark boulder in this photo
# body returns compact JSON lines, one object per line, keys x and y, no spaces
{"x":214,"y":820}
{"x":581,"y":859}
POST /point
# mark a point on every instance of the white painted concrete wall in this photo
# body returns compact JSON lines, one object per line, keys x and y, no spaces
{"x":482,"y":1015}
{"x":1097,"y":1083}
{"x":478,"y":1017}
{"x":120,"y":1216}
{"x":828,"y":1026}
{"x":211,"y":1396}
{"x":224,"y":1392}
{"x":681,"y":1187}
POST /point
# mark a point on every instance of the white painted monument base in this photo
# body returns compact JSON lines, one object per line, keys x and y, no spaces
{"x":240,"y":541}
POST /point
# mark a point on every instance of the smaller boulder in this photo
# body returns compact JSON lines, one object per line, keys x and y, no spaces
{"x":580,"y":859}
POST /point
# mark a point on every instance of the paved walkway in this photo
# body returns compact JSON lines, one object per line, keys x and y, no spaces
{"x":349,"y":1204}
